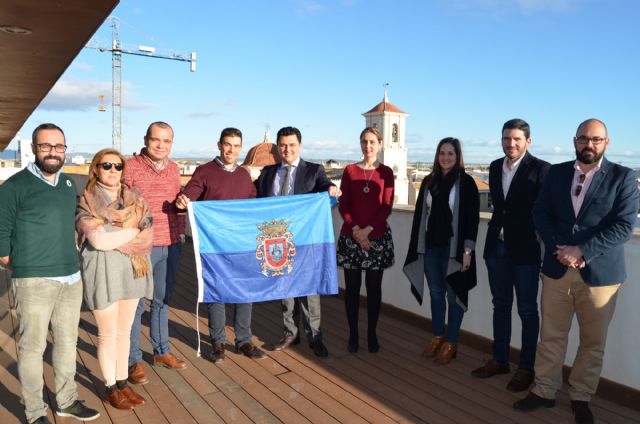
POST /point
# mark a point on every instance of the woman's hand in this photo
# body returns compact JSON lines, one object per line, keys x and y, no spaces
{"x":361,"y":235}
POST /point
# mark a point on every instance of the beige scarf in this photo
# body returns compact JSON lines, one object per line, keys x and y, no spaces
{"x":128,"y":210}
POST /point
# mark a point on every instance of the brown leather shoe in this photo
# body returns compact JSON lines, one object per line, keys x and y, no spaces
{"x":521,"y":380}
{"x":135,"y":398}
{"x":169,"y":360}
{"x":250,"y":351}
{"x":285,"y":342}
{"x":447,"y":352}
{"x":118,"y":400}
{"x":491,"y":368}
{"x":217,"y":353}
{"x":137,"y":375}
{"x":433,"y":348}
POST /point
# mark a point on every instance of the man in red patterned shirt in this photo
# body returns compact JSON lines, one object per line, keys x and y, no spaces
{"x":157,"y":178}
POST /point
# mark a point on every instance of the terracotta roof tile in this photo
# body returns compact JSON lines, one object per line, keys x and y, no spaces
{"x":385,"y":106}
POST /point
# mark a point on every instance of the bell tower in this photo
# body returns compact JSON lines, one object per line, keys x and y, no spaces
{"x":391,"y":122}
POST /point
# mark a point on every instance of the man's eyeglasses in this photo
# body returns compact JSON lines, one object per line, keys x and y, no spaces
{"x":108,"y":165}
{"x":581,"y":178}
{"x":583,"y":139}
{"x":46,"y":147}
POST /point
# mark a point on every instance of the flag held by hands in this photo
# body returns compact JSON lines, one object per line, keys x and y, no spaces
{"x":255,"y":250}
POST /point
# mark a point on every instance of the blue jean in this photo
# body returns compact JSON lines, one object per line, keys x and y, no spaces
{"x":504,"y":277}
{"x":40,"y":301}
{"x":164,"y":260}
{"x":436,"y":260}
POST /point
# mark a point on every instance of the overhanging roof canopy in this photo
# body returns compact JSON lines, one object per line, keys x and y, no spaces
{"x":38,"y":41}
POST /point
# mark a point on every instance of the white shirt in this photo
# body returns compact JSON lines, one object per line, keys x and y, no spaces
{"x":508,"y":174}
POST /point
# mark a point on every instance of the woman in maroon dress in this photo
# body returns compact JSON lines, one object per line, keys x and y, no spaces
{"x":365,"y":242}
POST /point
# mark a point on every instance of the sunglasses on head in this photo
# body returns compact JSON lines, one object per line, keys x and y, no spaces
{"x":107,"y":166}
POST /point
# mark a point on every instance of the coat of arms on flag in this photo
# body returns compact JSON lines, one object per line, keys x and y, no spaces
{"x":275,"y":249}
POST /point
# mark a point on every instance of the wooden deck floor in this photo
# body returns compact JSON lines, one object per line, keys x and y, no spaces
{"x":394,"y":385}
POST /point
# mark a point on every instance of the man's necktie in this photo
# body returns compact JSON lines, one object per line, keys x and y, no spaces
{"x":287,"y":179}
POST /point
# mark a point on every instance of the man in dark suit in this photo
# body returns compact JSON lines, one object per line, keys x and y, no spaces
{"x":296,"y":176}
{"x":512,"y":253}
{"x":584,"y":214}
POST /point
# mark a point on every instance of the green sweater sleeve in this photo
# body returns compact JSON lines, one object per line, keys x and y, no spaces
{"x":8,"y":209}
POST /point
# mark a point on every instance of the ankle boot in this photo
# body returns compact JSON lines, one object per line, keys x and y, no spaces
{"x":447,"y":352}
{"x":433,"y":348}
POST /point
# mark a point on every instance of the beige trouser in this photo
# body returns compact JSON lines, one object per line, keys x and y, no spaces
{"x":594,"y":307}
{"x":114,"y":329}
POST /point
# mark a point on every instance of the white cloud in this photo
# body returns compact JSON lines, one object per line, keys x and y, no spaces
{"x":84,"y":95}
{"x":76,"y":94}
{"x":557,"y":149}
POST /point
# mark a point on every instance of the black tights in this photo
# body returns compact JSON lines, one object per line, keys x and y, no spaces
{"x":352,"y":283}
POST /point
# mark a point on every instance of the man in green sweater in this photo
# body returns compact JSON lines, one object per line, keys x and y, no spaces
{"x":37,"y":221}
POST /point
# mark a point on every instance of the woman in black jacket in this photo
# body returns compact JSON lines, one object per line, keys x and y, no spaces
{"x":442,"y":245}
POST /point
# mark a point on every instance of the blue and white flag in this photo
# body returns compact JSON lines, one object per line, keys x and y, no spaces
{"x":271,"y":248}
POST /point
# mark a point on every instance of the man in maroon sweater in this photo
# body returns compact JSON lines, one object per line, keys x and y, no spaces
{"x":223,"y":179}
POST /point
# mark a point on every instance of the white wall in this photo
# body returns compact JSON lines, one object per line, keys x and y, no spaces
{"x":621,"y":362}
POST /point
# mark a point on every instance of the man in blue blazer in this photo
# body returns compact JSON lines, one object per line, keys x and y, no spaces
{"x":296,"y":176}
{"x":512,"y":253}
{"x":585,"y":213}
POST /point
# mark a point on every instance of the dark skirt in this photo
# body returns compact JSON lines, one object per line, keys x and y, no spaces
{"x":352,"y":256}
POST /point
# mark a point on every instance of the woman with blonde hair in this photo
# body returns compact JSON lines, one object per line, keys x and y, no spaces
{"x":115,"y":236}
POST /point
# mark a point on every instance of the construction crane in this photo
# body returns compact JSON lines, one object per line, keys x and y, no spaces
{"x":117,"y":49}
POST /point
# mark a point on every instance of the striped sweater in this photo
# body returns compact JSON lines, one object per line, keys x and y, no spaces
{"x":159,"y":188}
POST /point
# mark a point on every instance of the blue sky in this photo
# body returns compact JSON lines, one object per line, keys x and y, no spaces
{"x":458,"y":67}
